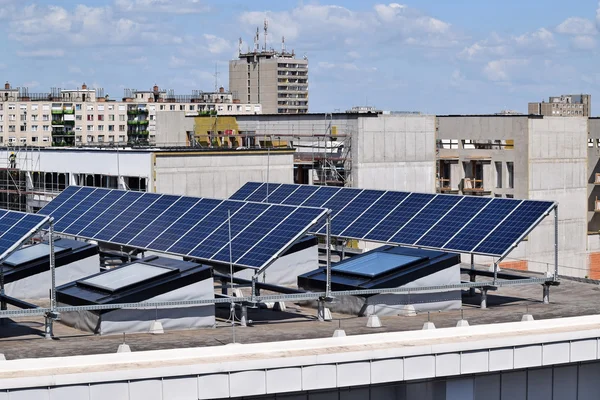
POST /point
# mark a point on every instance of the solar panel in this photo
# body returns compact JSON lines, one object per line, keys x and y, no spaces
{"x":185,"y":226}
{"x":15,"y":227}
{"x":375,"y":263}
{"x":126,"y":276}
{"x":31,"y":253}
{"x":449,"y":222}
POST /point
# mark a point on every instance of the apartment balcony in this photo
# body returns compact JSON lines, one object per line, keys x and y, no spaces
{"x":444,"y":186}
{"x":68,"y":111}
{"x":474,"y":187}
{"x":57,"y":111}
{"x":58,"y":123}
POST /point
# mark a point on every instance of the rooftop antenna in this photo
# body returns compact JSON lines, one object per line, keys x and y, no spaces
{"x":240,"y":46}
{"x":256,"y":39}
{"x":216,"y":75}
{"x":266,"y":28}
{"x":283,"y":44}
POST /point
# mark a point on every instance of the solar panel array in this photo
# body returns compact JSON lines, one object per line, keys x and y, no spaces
{"x":15,"y":227}
{"x":468,"y":224}
{"x":186,"y":226}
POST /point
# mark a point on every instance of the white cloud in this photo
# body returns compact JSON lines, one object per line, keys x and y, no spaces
{"x":496,"y":46}
{"x":176,"y":62}
{"x":162,"y":6}
{"x":31,"y":84}
{"x":584,"y":42}
{"x":500,"y":70}
{"x":353,"y":54}
{"x":217,"y":45}
{"x":47,"y":53}
{"x":576,"y":26}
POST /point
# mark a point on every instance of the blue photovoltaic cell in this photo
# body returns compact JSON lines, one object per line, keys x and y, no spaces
{"x":321,"y":196}
{"x":253,"y":233}
{"x":421,"y":223}
{"x":91,"y":214}
{"x":186,"y":221}
{"x":482,"y":224}
{"x":61,"y":224}
{"x":300,"y":195}
{"x":353,"y":210}
{"x":15,"y":227}
{"x":453,"y":222}
{"x":447,"y":222}
{"x":261,"y":193}
{"x":278,"y":237}
{"x":245,"y":191}
{"x":144,"y":219}
{"x":162,"y":222}
{"x":394,"y":221}
{"x":513,"y":227}
{"x":374,"y":264}
{"x":183,"y":225}
{"x":212,"y":232}
{"x":374,"y":213}
{"x":54,"y":204}
{"x":281,"y":194}
{"x":109,"y":214}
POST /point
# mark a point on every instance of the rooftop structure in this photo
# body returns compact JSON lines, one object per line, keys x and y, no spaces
{"x":275,"y":79}
{"x":566,"y":105}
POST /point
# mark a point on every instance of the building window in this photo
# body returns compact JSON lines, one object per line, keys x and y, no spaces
{"x":121,"y":108}
{"x":12,"y":117}
{"x":78,"y":118}
{"x":46,"y":117}
{"x":89,"y":108}
{"x":34,"y":139}
{"x":11,"y":128}
{"x":46,"y":107}
{"x":121,"y":118}
{"x":162,"y":107}
{"x":121,"y":128}
{"x":1,"y":117}
{"x":121,"y":138}
{"x":23,"y":140}
{"x":78,"y":139}
{"x":111,"y":107}
{"x":100,"y":138}
{"x":111,"y":117}
{"x":34,"y":107}
{"x":46,"y":128}
{"x":182,"y":107}
{"x":1,"y":128}
{"x":111,"y":128}
{"x":77,"y":107}
{"x":90,"y":138}
{"x":34,"y":117}
{"x":511,"y":175}
{"x":498,"y":165}
{"x":90,"y":128}
{"x":12,"y":139}
{"x":23,"y":117}
{"x":111,"y":138}
{"x":151,"y":117}
{"x":46,"y":139}
{"x":90,"y":117}
{"x":34,"y":128}
{"x":172,"y":107}
{"x":100,"y":117}
{"x":192,"y":107}
{"x":100,"y":127}
{"x":12,"y":107}
{"x":78,"y":128}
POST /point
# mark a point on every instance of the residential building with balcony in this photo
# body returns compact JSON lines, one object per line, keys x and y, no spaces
{"x":566,"y":105}
{"x":84,"y":116}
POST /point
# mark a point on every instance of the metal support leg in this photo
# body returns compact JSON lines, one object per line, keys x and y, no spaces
{"x":495,"y":272}
{"x":321,"y":310}
{"x":546,"y":295}
{"x":556,"y":243}
{"x":328,"y":243}
{"x":244,"y":317}
{"x":48,"y":328}
{"x":472,"y":276}
{"x":483,"y":299}
{"x":49,"y":333}
{"x":253,"y":295}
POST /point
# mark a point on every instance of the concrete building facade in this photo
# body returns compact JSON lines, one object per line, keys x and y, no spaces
{"x":276,"y":80}
{"x":524,"y":157}
{"x":566,"y":105}
{"x":85,"y":116}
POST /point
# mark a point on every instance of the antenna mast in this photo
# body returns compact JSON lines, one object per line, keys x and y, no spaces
{"x":240,"y":47}
{"x":216,"y":75}
{"x":266,"y":28}
{"x":283,"y":44}
{"x":256,"y":39}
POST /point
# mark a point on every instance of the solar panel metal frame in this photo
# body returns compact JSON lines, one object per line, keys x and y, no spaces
{"x":31,"y":232}
{"x":552,"y":206}
{"x":238,"y":265}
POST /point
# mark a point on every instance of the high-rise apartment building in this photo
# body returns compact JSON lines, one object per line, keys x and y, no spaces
{"x":277,"y":80}
{"x":566,"y":105}
{"x":85,"y":116}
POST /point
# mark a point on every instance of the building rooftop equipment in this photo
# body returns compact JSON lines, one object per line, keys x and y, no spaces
{"x":152,"y":278}
{"x":464,"y":224}
{"x":16,"y":227}
{"x":197,"y":228}
{"x":384,"y":267}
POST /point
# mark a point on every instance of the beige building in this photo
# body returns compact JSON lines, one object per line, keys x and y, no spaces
{"x":85,"y":116}
{"x":276,"y":80}
{"x":566,"y":105}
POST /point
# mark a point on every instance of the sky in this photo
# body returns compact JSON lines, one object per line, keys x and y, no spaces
{"x":433,"y":56}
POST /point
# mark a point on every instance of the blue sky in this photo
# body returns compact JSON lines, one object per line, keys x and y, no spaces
{"x":434,"y":56}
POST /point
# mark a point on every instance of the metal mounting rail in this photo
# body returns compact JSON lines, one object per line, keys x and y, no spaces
{"x":271,"y":298}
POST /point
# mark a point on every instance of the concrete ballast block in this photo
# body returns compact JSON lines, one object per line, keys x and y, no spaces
{"x":428,"y":325}
{"x":2,"y":357}
{"x":124,"y":348}
{"x":327,"y":314}
{"x":526,"y":318}
{"x":373,"y":322}
{"x":339,"y":333}
{"x":409,"y":311}
{"x":156,"y":328}
{"x":462,"y":323}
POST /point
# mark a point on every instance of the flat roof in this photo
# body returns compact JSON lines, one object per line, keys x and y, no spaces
{"x":24,"y":337}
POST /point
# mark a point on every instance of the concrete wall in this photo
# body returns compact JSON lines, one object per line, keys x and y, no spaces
{"x":514,"y":128}
{"x":172,"y":127}
{"x":558,"y":172}
{"x":395,"y":152}
{"x":219,"y":175}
